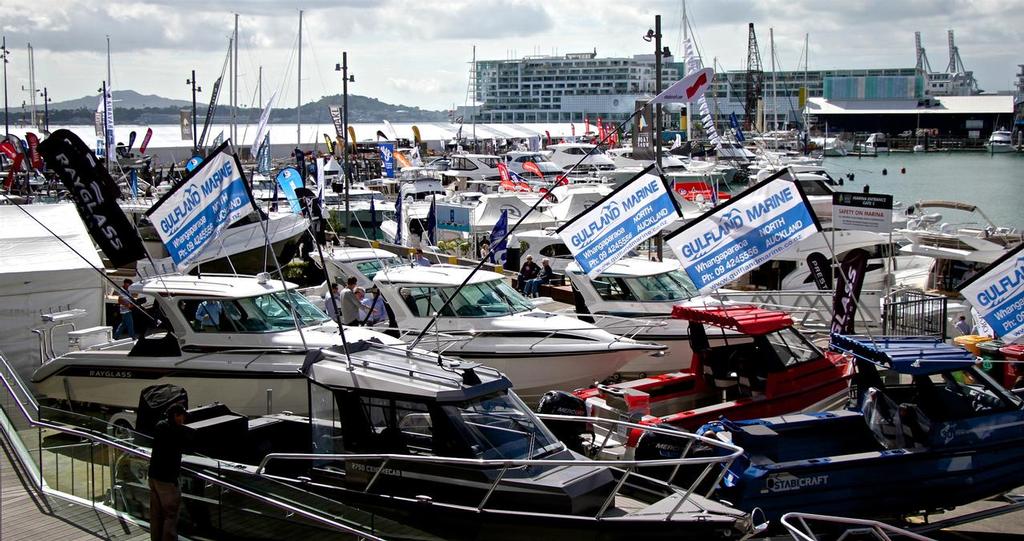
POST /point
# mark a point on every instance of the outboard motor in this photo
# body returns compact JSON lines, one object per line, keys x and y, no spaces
{"x":562,"y":403}
{"x":153,"y":404}
{"x":656,"y":446}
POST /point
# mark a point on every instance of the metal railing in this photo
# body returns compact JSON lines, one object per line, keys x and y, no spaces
{"x":545,"y":337}
{"x":812,"y":309}
{"x":91,"y":462}
{"x":626,"y":467}
{"x":912,"y":312}
{"x":855,"y":528}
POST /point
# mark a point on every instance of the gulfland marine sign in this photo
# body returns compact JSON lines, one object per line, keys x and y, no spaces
{"x":620,"y":221}
{"x":745,"y":232}
{"x":196,"y":211}
{"x":998,"y":295}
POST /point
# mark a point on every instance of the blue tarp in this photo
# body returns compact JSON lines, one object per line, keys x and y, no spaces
{"x":914,"y":355}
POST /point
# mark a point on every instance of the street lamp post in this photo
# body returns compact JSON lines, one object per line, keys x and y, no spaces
{"x":192,"y":81}
{"x":46,"y":108}
{"x":345,"y":80}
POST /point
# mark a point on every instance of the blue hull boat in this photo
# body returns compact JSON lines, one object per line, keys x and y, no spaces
{"x":946,"y":435}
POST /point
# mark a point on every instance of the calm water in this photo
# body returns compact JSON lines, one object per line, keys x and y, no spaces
{"x":995,"y":183}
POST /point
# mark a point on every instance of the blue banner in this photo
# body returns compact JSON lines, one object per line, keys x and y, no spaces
{"x":620,"y":221}
{"x":290,"y":180}
{"x":398,"y":219}
{"x":998,"y":295}
{"x":263,"y":156}
{"x":133,"y":181}
{"x":735,"y":124}
{"x":744,"y":233}
{"x":195,"y":211}
{"x":387,"y":158}
{"x":499,"y":250}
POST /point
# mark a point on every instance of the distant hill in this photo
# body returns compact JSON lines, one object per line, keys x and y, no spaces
{"x":123,"y":99}
{"x":134,"y":108}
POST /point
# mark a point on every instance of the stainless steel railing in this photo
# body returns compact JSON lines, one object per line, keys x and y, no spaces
{"x":799,"y":528}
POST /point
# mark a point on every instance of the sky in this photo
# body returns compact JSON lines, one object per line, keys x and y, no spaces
{"x":418,"y":53}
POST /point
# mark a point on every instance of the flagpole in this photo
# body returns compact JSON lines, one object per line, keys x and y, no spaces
{"x":509,"y":231}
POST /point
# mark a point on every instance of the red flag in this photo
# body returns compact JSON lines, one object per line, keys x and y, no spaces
{"x":600,"y":129}
{"x":10,"y":173}
{"x":532,"y":167}
{"x":572,"y":125}
{"x":145,"y":140}
{"x":549,"y":136}
{"x":8,"y":149}
{"x":506,"y":183}
{"x":33,"y":150}
{"x":586,"y":125}
{"x":562,"y":181}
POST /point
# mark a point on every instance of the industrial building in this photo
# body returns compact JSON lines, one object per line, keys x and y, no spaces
{"x":962,"y":117}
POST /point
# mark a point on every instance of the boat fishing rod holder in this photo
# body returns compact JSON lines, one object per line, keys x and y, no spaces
{"x":65,"y":318}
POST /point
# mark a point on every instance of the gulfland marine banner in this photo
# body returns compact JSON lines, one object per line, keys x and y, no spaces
{"x":998,"y":295}
{"x":616,"y":224}
{"x":95,"y":194}
{"x":750,"y":229}
{"x":194,"y":212}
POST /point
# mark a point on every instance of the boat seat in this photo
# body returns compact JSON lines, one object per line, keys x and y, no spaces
{"x":882,"y":417}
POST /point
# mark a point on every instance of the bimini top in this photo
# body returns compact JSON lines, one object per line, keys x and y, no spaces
{"x":746,"y":319}
{"x":914,"y":355}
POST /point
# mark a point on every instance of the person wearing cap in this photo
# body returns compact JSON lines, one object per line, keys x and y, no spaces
{"x":164,"y":468}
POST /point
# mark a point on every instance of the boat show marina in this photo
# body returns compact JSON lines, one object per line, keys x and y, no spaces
{"x":603,"y":295}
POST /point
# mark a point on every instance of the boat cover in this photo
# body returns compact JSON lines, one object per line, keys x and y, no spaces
{"x":914,"y":355}
{"x":749,"y":320}
{"x":1013,"y":352}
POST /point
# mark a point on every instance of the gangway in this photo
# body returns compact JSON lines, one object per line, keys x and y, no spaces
{"x":89,"y":462}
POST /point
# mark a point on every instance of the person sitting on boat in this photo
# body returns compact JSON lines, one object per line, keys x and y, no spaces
{"x":209,"y":313}
{"x":374,"y":306}
{"x":527,"y":274}
{"x":547,"y":274}
{"x":421,"y":260}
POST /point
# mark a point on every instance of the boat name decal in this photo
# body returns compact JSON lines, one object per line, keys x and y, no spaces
{"x":786,"y":482}
{"x":99,"y":373}
{"x":356,"y":466}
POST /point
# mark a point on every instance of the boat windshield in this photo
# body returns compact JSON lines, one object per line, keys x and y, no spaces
{"x":669,"y":286}
{"x":500,"y":426}
{"x":270,"y":312}
{"x":486,"y":299}
{"x":791,"y":347}
{"x":371,"y":267}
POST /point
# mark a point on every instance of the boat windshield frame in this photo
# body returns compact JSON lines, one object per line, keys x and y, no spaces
{"x":259,"y":314}
{"x":376,"y":265}
{"x":488,"y":295}
{"x":634,"y":287}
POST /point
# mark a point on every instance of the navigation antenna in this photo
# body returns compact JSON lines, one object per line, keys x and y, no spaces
{"x":755,"y":77}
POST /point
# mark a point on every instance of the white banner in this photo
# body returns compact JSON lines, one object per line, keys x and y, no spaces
{"x":613,"y":226}
{"x":195,"y":212}
{"x":862,"y":211}
{"x":998,"y":295}
{"x":747,"y":231}
{"x":261,"y":128}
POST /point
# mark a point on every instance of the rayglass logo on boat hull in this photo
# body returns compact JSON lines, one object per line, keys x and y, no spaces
{"x":785,"y":482}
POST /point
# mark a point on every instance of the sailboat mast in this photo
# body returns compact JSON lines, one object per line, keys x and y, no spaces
{"x":298,"y":97}
{"x":473,"y":88}
{"x":686,"y":61}
{"x":234,"y":85}
{"x":775,"y":115}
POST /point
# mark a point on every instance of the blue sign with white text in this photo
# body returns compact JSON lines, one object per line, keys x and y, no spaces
{"x":289,"y":180}
{"x":387,"y":158}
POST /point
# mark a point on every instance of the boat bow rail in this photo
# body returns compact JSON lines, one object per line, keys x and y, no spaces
{"x":91,"y":462}
{"x":625,"y":467}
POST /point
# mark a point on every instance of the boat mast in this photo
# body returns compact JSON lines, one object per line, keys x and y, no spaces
{"x":775,"y":115}
{"x":298,"y":98}
{"x":473,"y":89}
{"x":234,"y":85}
{"x":686,"y":37}
{"x":32,"y":83}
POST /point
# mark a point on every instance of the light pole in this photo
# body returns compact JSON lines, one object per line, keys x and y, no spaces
{"x":46,"y":108}
{"x":192,"y":81}
{"x":658,"y":53}
{"x":345,"y":80}
{"x":7,"y":114}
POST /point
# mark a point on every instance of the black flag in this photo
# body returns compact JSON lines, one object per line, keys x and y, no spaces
{"x":820,"y":270}
{"x":847,"y":295}
{"x":95,"y":195}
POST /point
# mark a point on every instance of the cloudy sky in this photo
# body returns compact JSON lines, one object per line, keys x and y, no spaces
{"x":418,"y":53}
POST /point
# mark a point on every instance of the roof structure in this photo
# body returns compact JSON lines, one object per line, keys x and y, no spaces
{"x":936,"y":105}
{"x":749,"y":320}
{"x":914,"y":355}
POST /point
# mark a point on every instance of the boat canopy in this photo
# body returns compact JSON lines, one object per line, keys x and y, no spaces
{"x":749,"y":320}
{"x":913,"y":355}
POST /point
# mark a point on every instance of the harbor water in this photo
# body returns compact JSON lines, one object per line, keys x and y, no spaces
{"x":993,"y":182}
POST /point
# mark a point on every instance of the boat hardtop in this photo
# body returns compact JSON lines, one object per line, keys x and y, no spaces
{"x":436,"y":275}
{"x":945,"y":435}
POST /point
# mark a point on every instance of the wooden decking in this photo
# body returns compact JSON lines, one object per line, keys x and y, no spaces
{"x":26,"y":513}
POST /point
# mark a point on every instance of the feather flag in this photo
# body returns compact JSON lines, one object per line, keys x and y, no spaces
{"x":532,"y":167}
{"x":145,"y":140}
{"x":498,"y":242}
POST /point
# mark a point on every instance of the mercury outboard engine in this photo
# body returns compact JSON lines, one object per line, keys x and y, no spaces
{"x":562,"y":403}
{"x":153,"y":404}
{"x":657,"y":446}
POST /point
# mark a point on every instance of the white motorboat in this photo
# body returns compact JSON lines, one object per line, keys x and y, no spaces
{"x":472,"y":166}
{"x":491,"y":323}
{"x":229,"y":339}
{"x":517,"y":158}
{"x":1001,"y":141}
{"x":875,"y":143}
{"x":566,"y":155}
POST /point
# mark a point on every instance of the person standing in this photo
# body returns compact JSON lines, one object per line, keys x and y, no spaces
{"x":125,"y":301}
{"x":332,"y":301}
{"x":349,"y":303}
{"x":527,"y":273}
{"x":962,"y":325}
{"x":164,"y":469}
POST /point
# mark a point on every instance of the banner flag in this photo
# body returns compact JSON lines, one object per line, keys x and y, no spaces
{"x":339,"y":126}
{"x":33,"y":151}
{"x":734,"y":123}
{"x":261,"y":128}
{"x":387,"y":158}
{"x":687,"y":89}
{"x":15,"y":165}
{"x":108,"y":121}
{"x":432,"y":221}
{"x":145,"y":141}
{"x":820,"y":269}
{"x":533,"y":168}
{"x":219,"y":139}
{"x":633,"y":213}
{"x":499,"y":250}
{"x":185,"y":123}
{"x":290,"y":180}
{"x":211,"y":109}
{"x":998,"y":295}
{"x":852,"y":269}
{"x":398,"y":219}
{"x":98,"y":119}
{"x":748,"y":230}
{"x":95,"y":194}
{"x":263,"y":157}
{"x":131,"y":141}
{"x":196,"y":211}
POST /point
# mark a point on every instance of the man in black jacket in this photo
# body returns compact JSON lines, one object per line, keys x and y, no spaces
{"x":164,"y":467}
